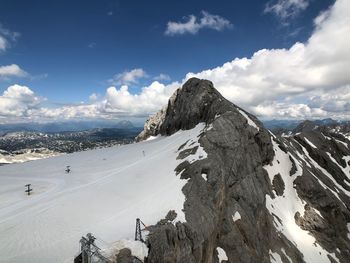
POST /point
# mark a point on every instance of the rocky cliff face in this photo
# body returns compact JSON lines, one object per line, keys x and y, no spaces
{"x":255,"y":197}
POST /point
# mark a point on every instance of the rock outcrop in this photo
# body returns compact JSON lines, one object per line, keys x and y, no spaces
{"x":230,"y":196}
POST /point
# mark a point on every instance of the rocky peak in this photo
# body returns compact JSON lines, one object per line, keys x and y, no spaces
{"x":196,"y":101}
{"x":305,"y":126}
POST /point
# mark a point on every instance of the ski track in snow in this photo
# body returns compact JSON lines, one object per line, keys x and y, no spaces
{"x":105,"y":192}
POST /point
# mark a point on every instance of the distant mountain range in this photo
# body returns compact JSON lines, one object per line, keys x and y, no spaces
{"x":290,"y":125}
{"x":63,"y":126}
{"x":21,"y":146}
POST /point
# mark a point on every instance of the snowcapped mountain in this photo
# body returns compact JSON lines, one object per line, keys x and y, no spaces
{"x":240,"y":193}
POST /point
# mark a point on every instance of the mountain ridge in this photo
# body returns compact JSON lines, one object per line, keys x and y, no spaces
{"x":250,"y":172}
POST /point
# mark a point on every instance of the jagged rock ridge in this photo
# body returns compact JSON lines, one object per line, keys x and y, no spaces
{"x":233,"y":195}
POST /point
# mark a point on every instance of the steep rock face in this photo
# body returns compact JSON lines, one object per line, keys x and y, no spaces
{"x":238,"y":147}
{"x":255,"y":196}
{"x":152,"y":125}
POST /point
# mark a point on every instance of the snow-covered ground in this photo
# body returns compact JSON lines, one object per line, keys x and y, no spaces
{"x":26,"y":156}
{"x":105,"y":192}
{"x":287,"y":205}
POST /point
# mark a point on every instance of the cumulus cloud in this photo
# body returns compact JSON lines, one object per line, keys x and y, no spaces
{"x":66,"y":112}
{"x":12,"y":71}
{"x":285,"y":9}
{"x":21,"y":102}
{"x":17,"y":101}
{"x":334,"y":101}
{"x":284,"y":110}
{"x":286,"y":76}
{"x":128,"y":77}
{"x":192,"y":24}
{"x":150,"y":99}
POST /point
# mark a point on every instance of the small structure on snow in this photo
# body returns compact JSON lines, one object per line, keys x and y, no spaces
{"x":28,"y":190}
{"x":89,"y":252}
{"x":138,"y":230}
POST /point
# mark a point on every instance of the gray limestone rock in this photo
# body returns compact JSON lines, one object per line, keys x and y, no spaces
{"x":278,"y":184}
{"x":238,"y":183}
{"x":124,"y":256}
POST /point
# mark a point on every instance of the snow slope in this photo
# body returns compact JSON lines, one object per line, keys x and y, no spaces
{"x":287,"y":205}
{"x":26,"y":156}
{"x":104,"y":194}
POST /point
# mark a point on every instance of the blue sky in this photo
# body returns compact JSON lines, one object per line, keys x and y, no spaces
{"x":72,"y":49}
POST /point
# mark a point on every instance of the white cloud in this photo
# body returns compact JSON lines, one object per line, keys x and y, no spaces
{"x":21,"y":102}
{"x":283,"y":110}
{"x":285,"y":9}
{"x":162,"y":77}
{"x":128,"y":77}
{"x":93,"y":97}
{"x":66,"y":112}
{"x":150,"y":100}
{"x":334,"y":101}
{"x":17,"y":101}
{"x":3,"y":43}
{"x":12,"y":71}
{"x":193,"y":24}
{"x":6,"y":37}
{"x":288,"y":76}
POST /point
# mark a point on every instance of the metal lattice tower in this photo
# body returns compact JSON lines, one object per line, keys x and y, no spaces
{"x":90,"y":253}
{"x":138,"y":233}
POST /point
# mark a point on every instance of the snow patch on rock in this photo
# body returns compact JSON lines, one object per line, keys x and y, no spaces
{"x":192,"y":142}
{"x":341,"y":142}
{"x":284,"y":252}
{"x":287,"y":205}
{"x":250,"y":121}
{"x":221,"y":254}
{"x":236,"y":216}
{"x":310,"y":143}
{"x":275,"y":257}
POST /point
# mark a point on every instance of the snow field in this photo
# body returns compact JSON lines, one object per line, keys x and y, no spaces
{"x":105,"y":192}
